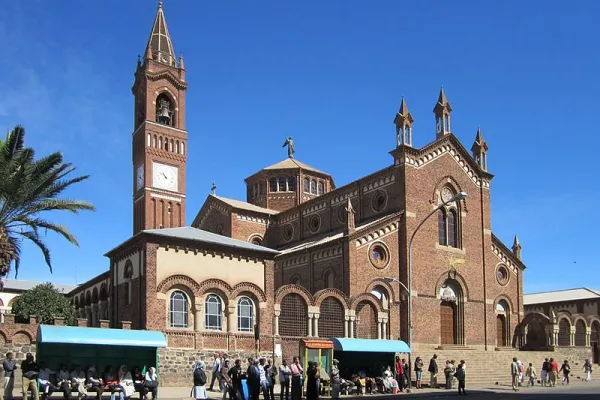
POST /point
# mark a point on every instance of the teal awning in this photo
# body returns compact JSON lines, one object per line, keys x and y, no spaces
{"x":370,"y":345}
{"x":100,"y":336}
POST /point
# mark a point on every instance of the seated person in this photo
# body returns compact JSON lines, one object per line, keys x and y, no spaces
{"x":63,"y":381}
{"x":94,"y":383}
{"x":151,"y":382}
{"x":30,"y":372}
{"x":46,"y":387}
{"x":138,"y":382}
{"x":389,"y":383}
{"x":126,"y":384}
{"x":111,"y":381}
{"x":78,"y":381}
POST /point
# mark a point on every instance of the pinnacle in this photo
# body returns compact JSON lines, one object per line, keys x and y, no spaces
{"x":159,"y":45}
{"x":516,"y":242}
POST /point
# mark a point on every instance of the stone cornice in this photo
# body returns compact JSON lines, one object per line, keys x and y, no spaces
{"x":506,"y":256}
{"x":376,"y":232}
{"x":167,"y":75}
{"x":187,"y":249}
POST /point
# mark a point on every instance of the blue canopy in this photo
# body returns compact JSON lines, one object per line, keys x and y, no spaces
{"x":370,"y":345}
{"x":100,"y":336}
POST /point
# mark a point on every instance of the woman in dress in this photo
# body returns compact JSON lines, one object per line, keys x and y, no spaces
{"x":199,"y":390}
{"x":311,"y":382}
{"x":335,"y":380}
{"x":126,"y":383}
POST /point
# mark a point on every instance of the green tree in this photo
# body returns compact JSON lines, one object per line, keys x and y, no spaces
{"x":46,"y":302}
{"x":29,"y":189}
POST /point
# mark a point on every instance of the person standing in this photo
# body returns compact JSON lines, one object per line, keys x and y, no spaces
{"x":335,"y":380}
{"x":253,"y":380}
{"x":235,"y":374}
{"x":225,"y":381}
{"x":30,"y":372}
{"x":553,"y":372}
{"x":544,"y":372}
{"x":399,"y":373}
{"x":10,"y":366}
{"x":531,"y":375}
{"x":587,"y":368}
{"x":566,"y":370}
{"x":406,"y":370}
{"x":433,"y":371}
{"x":199,"y":388}
{"x":297,"y":372}
{"x":284,"y":380}
{"x":216,"y":371}
{"x":460,"y":376}
{"x":514,"y":374}
{"x":419,"y":371}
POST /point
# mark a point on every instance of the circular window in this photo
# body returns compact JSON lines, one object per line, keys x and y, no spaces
{"x":257,"y":240}
{"x":379,"y":255}
{"x":219,"y":229}
{"x":342,"y":215}
{"x":502,"y":275}
{"x":288,"y":232}
{"x":314,"y":223}
{"x":379,"y":200}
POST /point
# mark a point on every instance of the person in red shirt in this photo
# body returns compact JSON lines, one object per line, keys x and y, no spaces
{"x":553,"y":372}
{"x":399,"y":374}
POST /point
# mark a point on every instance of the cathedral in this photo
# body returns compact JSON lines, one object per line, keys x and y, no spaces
{"x":301,"y":258}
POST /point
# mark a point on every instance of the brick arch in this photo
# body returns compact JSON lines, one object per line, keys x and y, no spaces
{"x":366,"y":297}
{"x":11,"y":302}
{"x":330,"y":292}
{"x":507,"y":300}
{"x":455,"y":275}
{"x":191,"y":296}
{"x":167,"y":92}
{"x":178,"y":280}
{"x":591,"y":319}
{"x":95,"y":295}
{"x":455,"y":186}
{"x":82,"y":300}
{"x":249,"y":288}
{"x":216,"y":285}
{"x":380,"y":282}
{"x":299,"y":290}
{"x":2,"y":338}
{"x":88,"y":298}
{"x":578,"y":317}
{"x":535,"y":316}
{"x":22,"y":337}
{"x":76,"y":302}
{"x":103,"y":292}
{"x":564,"y":338}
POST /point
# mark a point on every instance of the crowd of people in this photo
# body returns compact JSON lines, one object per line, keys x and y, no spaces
{"x":549,"y":373}
{"x":42,"y":380}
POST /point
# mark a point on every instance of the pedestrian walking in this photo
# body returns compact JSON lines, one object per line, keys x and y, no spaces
{"x":531,"y":375}
{"x":587,"y":368}
{"x":460,"y":376}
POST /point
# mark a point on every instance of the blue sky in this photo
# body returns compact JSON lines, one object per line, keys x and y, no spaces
{"x":331,"y":74}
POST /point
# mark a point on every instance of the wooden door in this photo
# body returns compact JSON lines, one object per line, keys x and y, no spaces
{"x":501,"y":331}
{"x":447,"y":322}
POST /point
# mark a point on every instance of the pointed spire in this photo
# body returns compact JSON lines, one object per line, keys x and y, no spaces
{"x":442,"y":112}
{"x":516,"y":248}
{"x":350,"y":227}
{"x":480,"y":149}
{"x":403,"y":121}
{"x":160,"y":47}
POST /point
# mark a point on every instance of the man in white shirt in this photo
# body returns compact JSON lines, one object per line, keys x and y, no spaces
{"x":216,"y":371}
{"x":284,"y":380}
{"x":264,"y":382}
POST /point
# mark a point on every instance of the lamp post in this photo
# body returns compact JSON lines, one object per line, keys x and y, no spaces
{"x":460,"y":196}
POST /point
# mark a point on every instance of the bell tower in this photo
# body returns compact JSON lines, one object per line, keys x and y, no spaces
{"x":442,"y":112}
{"x":159,"y":135}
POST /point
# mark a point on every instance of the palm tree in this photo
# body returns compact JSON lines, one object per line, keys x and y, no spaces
{"x":28,"y":188}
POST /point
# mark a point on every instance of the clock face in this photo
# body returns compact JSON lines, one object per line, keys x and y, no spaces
{"x":164,"y":177}
{"x":139,"y":179}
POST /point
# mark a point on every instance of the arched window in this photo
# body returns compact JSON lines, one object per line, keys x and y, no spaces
{"x":154,"y":141}
{"x":273,"y":185}
{"x":282,"y":184}
{"x":442,"y":227}
{"x":165,"y":111}
{"x":182,"y":148}
{"x":320,"y":188}
{"x":149,"y":139}
{"x":452,"y":231}
{"x":177,"y":146}
{"x":313,"y":187}
{"x":160,"y":142}
{"x":306,"y":185}
{"x":178,"y":310}
{"x":213,"y":308}
{"x":291,"y":184}
{"x":329,"y":280}
{"x":447,"y":123}
{"x":245,"y":311}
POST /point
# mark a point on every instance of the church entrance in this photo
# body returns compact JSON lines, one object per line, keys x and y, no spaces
{"x":595,"y":342}
{"x":501,"y":331}
{"x":448,"y":322}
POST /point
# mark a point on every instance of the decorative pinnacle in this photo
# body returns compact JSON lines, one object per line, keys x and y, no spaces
{"x":159,"y":3}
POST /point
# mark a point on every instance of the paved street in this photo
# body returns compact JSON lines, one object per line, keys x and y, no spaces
{"x":576,"y":389}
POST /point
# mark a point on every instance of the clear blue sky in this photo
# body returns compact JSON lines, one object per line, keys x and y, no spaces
{"x":330,"y":73}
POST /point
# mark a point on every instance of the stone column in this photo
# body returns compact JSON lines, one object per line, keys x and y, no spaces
{"x":555,"y":337}
{"x":198,"y":317}
{"x":525,"y":332}
{"x":588,"y":334}
{"x":572,"y":336}
{"x":310,"y":324}
{"x":353,"y":322}
{"x":379,"y":324}
{"x":95,"y":316}
{"x":316,"y":329}
{"x":346,"y":323}
{"x":384,"y":328}
{"x":276,"y":323}
{"x":231,"y":323}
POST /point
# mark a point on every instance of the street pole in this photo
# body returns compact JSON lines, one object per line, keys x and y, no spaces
{"x":455,"y":198}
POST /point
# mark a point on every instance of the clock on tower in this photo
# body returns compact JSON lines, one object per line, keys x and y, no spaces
{"x":160,"y":137}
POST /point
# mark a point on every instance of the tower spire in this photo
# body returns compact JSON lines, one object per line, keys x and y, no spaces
{"x":160,"y":47}
{"x":442,"y":112}
{"x":480,"y":149}
{"x":516,"y":248}
{"x":403,"y":121}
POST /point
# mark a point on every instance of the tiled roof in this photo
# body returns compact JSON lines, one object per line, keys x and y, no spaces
{"x":292,"y":163}
{"x":199,"y":235}
{"x":245,"y":206}
{"x":560,"y":296}
{"x":21,"y":286}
